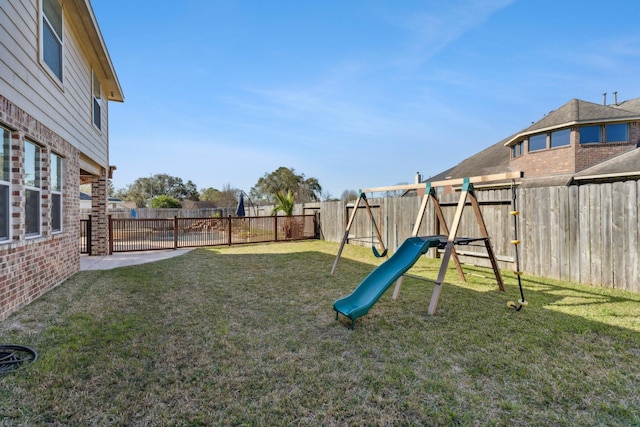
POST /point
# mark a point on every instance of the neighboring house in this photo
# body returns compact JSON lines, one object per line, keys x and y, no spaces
{"x":578,"y":141}
{"x":113,"y":203}
{"x":56,"y":78}
{"x":579,"y":196}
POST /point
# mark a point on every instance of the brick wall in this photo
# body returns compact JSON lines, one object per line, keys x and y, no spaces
{"x":588,"y":155}
{"x":29,"y":267}
{"x":553,"y":161}
{"x":574,"y":157}
{"x":99,"y":216}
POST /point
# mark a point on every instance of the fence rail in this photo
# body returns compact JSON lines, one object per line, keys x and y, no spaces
{"x":588,"y":234}
{"x":126,"y":235}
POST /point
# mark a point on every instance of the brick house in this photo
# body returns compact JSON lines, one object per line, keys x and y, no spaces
{"x":580,"y":139}
{"x":56,"y":78}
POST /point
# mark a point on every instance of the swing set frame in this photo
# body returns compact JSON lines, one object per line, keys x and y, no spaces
{"x":450,"y":239}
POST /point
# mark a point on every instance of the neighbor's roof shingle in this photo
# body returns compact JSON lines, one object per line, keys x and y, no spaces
{"x":492,"y":160}
{"x":577,"y":111}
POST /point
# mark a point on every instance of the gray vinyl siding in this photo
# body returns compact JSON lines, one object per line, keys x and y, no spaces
{"x":65,"y":109}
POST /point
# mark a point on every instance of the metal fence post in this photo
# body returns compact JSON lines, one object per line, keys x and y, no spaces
{"x":275,"y":227}
{"x":110,"y":236}
{"x":175,"y":232}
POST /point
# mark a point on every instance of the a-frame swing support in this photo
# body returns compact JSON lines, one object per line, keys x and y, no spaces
{"x":430,"y":195}
{"x":361,"y":198}
{"x":467,"y":193}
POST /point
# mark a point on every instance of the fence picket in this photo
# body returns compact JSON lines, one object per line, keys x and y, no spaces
{"x":587,"y":233}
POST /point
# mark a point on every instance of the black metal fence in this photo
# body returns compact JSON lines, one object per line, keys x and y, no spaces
{"x":85,"y":236}
{"x":127,"y":235}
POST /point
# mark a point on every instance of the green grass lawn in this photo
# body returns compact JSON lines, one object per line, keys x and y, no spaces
{"x":246,"y":335}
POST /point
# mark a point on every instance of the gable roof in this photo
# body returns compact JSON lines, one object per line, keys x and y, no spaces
{"x":581,"y":112}
{"x":492,"y":160}
{"x":496,"y":158}
{"x":632,"y":105}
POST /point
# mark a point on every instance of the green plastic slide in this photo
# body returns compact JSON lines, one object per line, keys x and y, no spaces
{"x":368,"y":292}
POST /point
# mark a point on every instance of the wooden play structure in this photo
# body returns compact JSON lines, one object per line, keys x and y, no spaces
{"x":450,"y":239}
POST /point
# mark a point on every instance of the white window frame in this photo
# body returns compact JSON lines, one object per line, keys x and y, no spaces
{"x":5,"y":184}
{"x":33,"y":185}
{"x":46,"y":25}
{"x":56,"y":180}
{"x":96,"y":101}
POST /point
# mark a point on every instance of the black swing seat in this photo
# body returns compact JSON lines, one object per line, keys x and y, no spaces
{"x":458,"y":240}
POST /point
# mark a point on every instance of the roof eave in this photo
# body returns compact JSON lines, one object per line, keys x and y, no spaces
{"x":81,"y":14}
{"x":520,"y":135}
{"x":607,"y":176}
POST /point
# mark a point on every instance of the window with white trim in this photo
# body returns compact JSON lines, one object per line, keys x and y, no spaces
{"x":97,"y":100}
{"x":56,"y":193}
{"x":5,"y":184}
{"x":51,"y":37}
{"x":32,"y":184}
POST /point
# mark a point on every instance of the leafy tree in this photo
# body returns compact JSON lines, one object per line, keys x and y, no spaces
{"x":145,"y":189}
{"x":229,"y":196}
{"x":284,"y":180}
{"x":396,"y":193}
{"x":210,"y":195}
{"x":111,"y":191}
{"x":191,"y":191}
{"x":349,"y":195}
{"x":165,"y":202}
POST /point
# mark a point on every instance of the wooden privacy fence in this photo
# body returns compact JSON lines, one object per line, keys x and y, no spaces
{"x":586,"y":234}
{"x":148,"y":234}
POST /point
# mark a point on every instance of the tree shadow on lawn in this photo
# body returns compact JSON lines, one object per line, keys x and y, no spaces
{"x":248,"y":335}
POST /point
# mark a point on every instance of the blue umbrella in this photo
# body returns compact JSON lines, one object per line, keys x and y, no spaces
{"x":240,"y":208}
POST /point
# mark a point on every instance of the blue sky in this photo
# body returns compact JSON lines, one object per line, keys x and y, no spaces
{"x":360,"y":93}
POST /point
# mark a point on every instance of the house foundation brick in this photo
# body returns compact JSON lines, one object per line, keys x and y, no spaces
{"x":31,"y":266}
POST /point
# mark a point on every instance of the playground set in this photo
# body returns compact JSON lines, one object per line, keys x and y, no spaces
{"x":394,"y":269}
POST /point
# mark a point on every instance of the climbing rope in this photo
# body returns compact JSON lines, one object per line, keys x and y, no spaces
{"x":515,"y":213}
{"x":14,"y":357}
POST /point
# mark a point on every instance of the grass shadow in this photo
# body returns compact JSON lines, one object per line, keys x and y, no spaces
{"x":247,"y":335}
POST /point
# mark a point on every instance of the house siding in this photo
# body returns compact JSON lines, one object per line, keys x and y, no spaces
{"x":65,"y":109}
{"x":29,"y":267}
{"x":56,"y":116}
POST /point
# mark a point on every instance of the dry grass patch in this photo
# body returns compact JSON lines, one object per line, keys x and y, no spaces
{"x":247,"y":335}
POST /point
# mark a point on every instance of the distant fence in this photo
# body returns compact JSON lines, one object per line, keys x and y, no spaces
{"x":170,"y":213}
{"x":150,"y":234}
{"x":587,"y":234}
{"x":85,"y":236}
